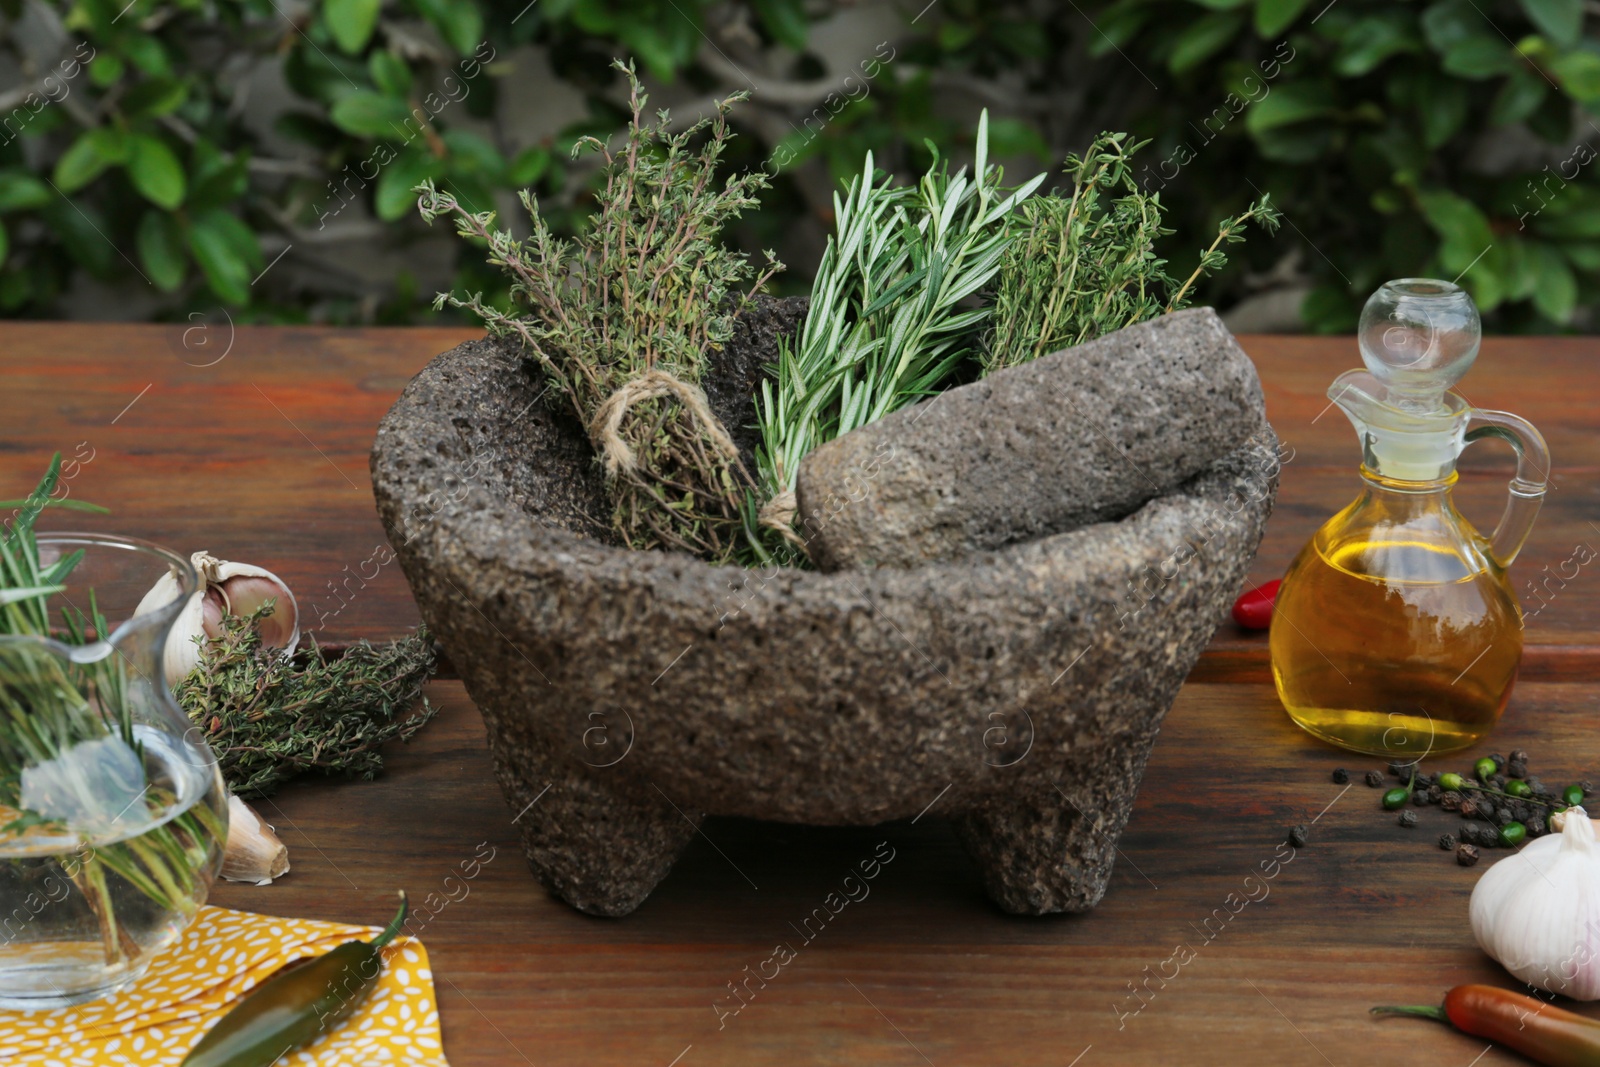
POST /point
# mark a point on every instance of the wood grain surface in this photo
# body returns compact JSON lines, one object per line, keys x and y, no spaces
{"x":261,"y":455}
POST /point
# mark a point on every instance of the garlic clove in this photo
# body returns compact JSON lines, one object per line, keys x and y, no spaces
{"x":1538,"y":912}
{"x":228,"y":588}
{"x":253,"y":852}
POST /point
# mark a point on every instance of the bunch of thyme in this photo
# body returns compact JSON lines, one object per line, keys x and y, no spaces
{"x":892,"y":314}
{"x":624,"y":317}
{"x":268,"y":718}
{"x":1085,"y":265}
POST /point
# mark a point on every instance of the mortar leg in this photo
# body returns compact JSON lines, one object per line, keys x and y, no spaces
{"x":595,"y":847}
{"x":1049,"y":852}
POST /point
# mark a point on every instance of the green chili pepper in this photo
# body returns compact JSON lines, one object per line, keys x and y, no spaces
{"x":296,"y":1004}
{"x":1397,"y":797}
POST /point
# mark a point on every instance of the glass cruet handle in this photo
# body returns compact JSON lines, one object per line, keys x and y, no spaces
{"x":1528,"y":485}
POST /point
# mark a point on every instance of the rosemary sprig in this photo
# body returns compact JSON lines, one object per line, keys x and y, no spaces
{"x":892,"y":313}
{"x":624,"y":317}
{"x":51,"y":710}
{"x":269,"y":719}
{"x":1084,"y":264}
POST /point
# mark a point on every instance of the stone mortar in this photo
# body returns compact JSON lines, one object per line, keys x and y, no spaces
{"x":629,"y":694}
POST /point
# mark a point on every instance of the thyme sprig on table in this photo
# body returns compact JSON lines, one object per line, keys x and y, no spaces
{"x":1085,"y":264}
{"x":269,"y":718}
{"x":892,"y":313}
{"x":624,"y":317}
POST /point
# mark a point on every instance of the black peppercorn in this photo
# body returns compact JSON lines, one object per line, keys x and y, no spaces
{"x":1502,"y":816}
{"x":1486,"y":807}
{"x":1299,"y":835}
{"x":1340,"y":776}
{"x":1374,"y":778}
{"x":1447,"y":842}
{"x":1419,"y":798}
{"x":1401,"y":769}
{"x":1499,"y":782}
{"x":1435,"y":794}
{"x":1516,"y":769}
{"x":1450,"y":800}
{"x":1499,"y":761}
{"x":1519,"y":755}
{"x":1586,"y":785}
{"x":1408,"y":819}
{"x":1466,"y":855}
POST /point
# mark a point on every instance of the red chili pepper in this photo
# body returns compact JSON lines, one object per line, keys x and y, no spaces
{"x":1543,"y":1033}
{"x":1253,"y":610}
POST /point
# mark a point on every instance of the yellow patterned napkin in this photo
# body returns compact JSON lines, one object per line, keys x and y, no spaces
{"x":191,"y":985}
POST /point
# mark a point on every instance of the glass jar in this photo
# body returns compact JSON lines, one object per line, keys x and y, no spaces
{"x":113,"y":814}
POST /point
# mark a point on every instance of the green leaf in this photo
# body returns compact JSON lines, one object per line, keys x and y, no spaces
{"x":154,"y":98}
{"x":88,"y":156}
{"x":351,"y":22}
{"x":1221,"y":5}
{"x":20,"y":191}
{"x":1584,"y":255}
{"x":1480,"y":57}
{"x":529,"y":166}
{"x":1371,"y":41}
{"x":1555,"y":289}
{"x":1466,"y":240}
{"x":5,"y":243}
{"x":472,"y":154}
{"x":1290,"y":103}
{"x":1203,"y":39}
{"x":160,"y":244}
{"x":1329,"y":309}
{"x":394,"y":197}
{"x":1559,"y":20}
{"x":1518,"y":98}
{"x":1443,"y":110}
{"x":1449,"y":22}
{"x":145,"y":51}
{"x":1275,"y":16}
{"x":389,"y":73}
{"x":81,"y":230}
{"x":458,"y":22}
{"x":155,"y":171}
{"x":106,"y":70}
{"x":785,"y":20}
{"x":1579,"y":74}
{"x":367,"y":114}
{"x":1119,"y":24}
{"x":226,"y":251}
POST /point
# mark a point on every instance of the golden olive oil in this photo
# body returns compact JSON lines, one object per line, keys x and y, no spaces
{"x":1393,"y":633}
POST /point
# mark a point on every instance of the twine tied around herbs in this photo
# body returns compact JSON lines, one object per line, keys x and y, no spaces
{"x":778,"y":514}
{"x":605,"y":428}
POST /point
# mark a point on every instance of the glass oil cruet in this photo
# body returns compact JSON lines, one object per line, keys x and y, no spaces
{"x":1396,"y":631}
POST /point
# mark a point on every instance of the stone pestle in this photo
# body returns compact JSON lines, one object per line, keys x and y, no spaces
{"x":1085,"y":435}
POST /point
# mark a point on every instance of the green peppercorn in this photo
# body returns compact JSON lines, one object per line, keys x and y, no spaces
{"x":1512,"y":834}
{"x":1519,"y":788}
{"x":1485,"y":768}
{"x":1451,"y":780}
{"x":1572,"y":795}
{"x":1396,"y":798}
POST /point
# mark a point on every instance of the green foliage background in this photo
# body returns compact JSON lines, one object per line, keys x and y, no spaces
{"x":1448,"y":138}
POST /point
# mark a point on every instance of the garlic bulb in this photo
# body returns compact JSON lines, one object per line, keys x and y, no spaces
{"x":1538,"y":912}
{"x":227,"y":589}
{"x":253,"y":852}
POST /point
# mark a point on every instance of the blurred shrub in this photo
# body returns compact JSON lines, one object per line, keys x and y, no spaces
{"x":1449,"y":138}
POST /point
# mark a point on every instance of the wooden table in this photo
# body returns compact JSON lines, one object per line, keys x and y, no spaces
{"x":261,"y":456}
